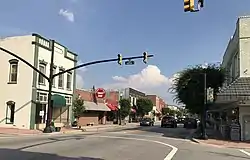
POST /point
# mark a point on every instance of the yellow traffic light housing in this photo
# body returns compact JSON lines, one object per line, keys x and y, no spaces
{"x":119,"y":60}
{"x":145,"y":57}
{"x":188,"y":5}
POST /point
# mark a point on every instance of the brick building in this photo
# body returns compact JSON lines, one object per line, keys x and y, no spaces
{"x":158,"y":103}
{"x":97,"y":109}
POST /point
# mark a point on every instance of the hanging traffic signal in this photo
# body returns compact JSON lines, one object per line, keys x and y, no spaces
{"x":201,"y":3}
{"x":145,"y":57}
{"x":119,"y":59}
{"x":188,"y":5}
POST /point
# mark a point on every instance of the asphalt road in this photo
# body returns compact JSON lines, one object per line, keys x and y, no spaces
{"x":142,"y":143}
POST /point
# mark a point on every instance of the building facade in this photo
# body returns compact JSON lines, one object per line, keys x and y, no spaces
{"x":24,"y":92}
{"x":234,"y":97}
{"x":158,"y":103}
{"x":95,"y":108}
{"x":132,"y":94}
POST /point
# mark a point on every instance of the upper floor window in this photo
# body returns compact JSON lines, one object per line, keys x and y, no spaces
{"x":61,"y":78}
{"x":42,"y":68}
{"x":13,"y":71}
{"x":54,"y":72}
{"x":69,"y":80}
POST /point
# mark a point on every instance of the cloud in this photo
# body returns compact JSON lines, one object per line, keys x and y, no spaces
{"x":67,"y":14}
{"x":80,"y":75}
{"x":150,"y":80}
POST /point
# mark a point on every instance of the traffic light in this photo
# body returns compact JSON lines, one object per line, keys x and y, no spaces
{"x":145,"y":57}
{"x":188,"y":5}
{"x":201,"y":3}
{"x":119,"y":60}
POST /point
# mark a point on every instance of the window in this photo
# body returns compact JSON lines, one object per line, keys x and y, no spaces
{"x":54,"y":72}
{"x":13,"y":71}
{"x":69,"y":80}
{"x":68,"y":100}
{"x":41,"y":97}
{"x":60,"y":79}
{"x":41,"y":79}
{"x":10,"y":112}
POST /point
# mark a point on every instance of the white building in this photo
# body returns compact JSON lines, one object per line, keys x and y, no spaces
{"x":24,"y":92}
{"x":233,"y":99}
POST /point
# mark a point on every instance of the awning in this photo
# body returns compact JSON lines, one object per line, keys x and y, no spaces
{"x":157,"y":111}
{"x":239,"y":90}
{"x":58,"y":100}
{"x":112,"y":107}
{"x":92,"y":106}
{"x":133,"y":110}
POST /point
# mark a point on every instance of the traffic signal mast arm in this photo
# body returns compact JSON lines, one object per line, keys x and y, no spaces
{"x":97,"y":62}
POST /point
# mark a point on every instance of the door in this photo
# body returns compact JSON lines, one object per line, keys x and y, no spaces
{"x":246,"y":128}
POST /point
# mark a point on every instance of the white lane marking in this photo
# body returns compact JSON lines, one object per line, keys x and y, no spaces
{"x":245,"y":152}
{"x":169,"y":156}
{"x":150,"y":136}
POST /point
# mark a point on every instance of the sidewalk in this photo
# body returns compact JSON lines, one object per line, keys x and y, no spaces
{"x":215,"y":139}
{"x":18,"y":132}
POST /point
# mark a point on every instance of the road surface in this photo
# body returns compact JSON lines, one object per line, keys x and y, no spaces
{"x":144,"y":143}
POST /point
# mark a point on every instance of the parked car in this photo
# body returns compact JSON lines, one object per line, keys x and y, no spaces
{"x":181,"y":120}
{"x":147,"y":122}
{"x":191,"y":123}
{"x":169,"y":121}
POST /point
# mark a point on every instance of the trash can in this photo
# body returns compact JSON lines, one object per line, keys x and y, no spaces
{"x":57,"y":129}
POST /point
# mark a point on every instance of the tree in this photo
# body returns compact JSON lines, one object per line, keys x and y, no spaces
{"x":125,"y":108}
{"x":189,"y":86}
{"x":166,"y":111}
{"x":144,"y":106}
{"x":78,"y":107}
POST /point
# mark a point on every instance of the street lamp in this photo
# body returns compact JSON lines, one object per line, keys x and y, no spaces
{"x":119,"y":108}
{"x":203,"y":126}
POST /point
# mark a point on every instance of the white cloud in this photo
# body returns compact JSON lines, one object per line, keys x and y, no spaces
{"x":79,"y":81}
{"x":150,"y":80}
{"x":80,"y":75}
{"x":67,"y":14}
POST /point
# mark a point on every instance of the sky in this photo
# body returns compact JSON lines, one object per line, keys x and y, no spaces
{"x":98,"y":29}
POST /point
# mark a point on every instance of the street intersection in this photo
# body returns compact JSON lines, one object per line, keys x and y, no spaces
{"x":142,"y":143}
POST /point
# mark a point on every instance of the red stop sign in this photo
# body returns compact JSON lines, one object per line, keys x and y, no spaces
{"x":100,"y":93}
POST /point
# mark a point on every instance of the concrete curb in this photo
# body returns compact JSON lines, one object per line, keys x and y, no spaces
{"x":217,"y":145}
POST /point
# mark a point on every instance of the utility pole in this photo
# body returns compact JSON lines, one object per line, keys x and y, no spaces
{"x":47,"y":129}
{"x":51,"y":76}
{"x":119,"y":108}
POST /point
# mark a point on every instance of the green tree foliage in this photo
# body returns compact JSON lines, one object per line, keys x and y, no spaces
{"x":168,"y":111}
{"x":189,"y":86}
{"x":144,"y":106}
{"x":125,"y":108}
{"x":78,"y":107}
